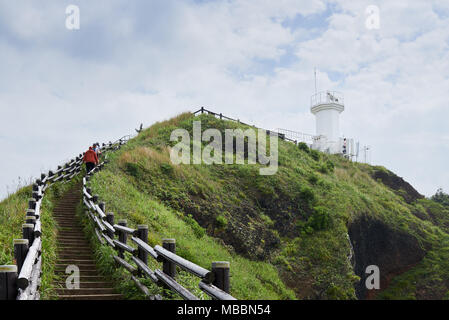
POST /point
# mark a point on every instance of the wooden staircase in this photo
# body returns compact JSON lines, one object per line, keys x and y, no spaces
{"x":74,"y":249}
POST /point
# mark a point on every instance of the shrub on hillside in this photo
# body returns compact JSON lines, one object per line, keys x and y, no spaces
{"x":320,"y":219}
{"x":304,"y":147}
{"x":166,"y":168}
{"x":221,"y":221}
{"x":326,"y":167}
{"x":313,"y":178}
{"x":441,"y":197}
{"x":315,"y":154}
{"x":133,"y":169}
{"x":307,"y":195}
{"x":197,"y":229}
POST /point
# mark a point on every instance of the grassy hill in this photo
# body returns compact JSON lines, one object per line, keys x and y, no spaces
{"x":307,"y":232}
{"x":12,"y":216}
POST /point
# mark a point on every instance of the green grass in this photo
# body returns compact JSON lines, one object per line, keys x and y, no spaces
{"x":282,"y":233}
{"x":286,"y":235}
{"x":12,"y":216}
{"x":250,"y":279}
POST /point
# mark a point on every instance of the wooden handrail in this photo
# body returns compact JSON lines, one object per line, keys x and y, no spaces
{"x":24,"y":283}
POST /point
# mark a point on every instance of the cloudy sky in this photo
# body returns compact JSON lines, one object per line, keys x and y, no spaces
{"x":145,"y":61}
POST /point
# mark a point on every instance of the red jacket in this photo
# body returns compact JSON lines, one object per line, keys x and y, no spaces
{"x":90,"y":156}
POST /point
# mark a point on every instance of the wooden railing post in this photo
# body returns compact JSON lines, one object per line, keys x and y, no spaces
{"x":221,"y":275}
{"x":32,"y":203}
{"x":142,"y":234}
{"x":20,"y":252}
{"x":102,"y":206}
{"x":122,"y":236}
{"x":31,"y":212}
{"x":28,"y":232}
{"x":8,"y":282}
{"x":168,"y":267}
{"x":35,"y":195}
{"x":110,"y":219}
{"x":30,"y":220}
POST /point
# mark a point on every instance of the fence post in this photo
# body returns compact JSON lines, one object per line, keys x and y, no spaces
{"x":110,"y":219}
{"x":102,"y":206}
{"x":220,"y":270}
{"x":20,"y":252}
{"x":35,"y":195}
{"x":122,"y":237}
{"x":31,"y":213}
{"x":28,"y":232}
{"x":168,"y":267}
{"x":142,"y":234}
{"x":30,"y":220}
{"x":8,"y":282}
{"x":32,"y":203}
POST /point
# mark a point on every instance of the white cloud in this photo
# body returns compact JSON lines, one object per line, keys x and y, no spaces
{"x":148,"y":60}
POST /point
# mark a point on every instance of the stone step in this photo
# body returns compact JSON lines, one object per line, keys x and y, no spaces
{"x":82,"y":273}
{"x":86,"y":265}
{"x":82,"y":267}
{"x":72,"y":243}
{"x":75,"y":256}
{"x":74,"y":251}
{"x":75,"y":261}
{"x":87,"y":285}
{"x":62,"y":238}
{"x":86,"y":291}
{"x":91,"y":297}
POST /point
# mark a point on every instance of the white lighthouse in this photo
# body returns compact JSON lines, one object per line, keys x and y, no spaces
{"x":327,"y":106}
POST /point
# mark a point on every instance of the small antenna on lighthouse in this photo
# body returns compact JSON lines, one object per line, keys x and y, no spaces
{"x":315,"y":79}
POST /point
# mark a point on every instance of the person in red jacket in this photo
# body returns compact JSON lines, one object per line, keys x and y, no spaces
{"x":91,"y":159}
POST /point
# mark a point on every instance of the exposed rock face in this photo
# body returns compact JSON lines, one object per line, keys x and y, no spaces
{"x":402,"y":187}
{"x":376,"y":243}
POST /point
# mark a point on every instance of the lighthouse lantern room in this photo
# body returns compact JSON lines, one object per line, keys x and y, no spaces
{"x":327,"y":106}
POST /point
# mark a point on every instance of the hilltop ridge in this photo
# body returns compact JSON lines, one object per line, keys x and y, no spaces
{"x":296,"y":223}
{"x":307,"y":232}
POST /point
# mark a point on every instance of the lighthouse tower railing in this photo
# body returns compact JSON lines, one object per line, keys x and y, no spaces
{"x":325,"y":97}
